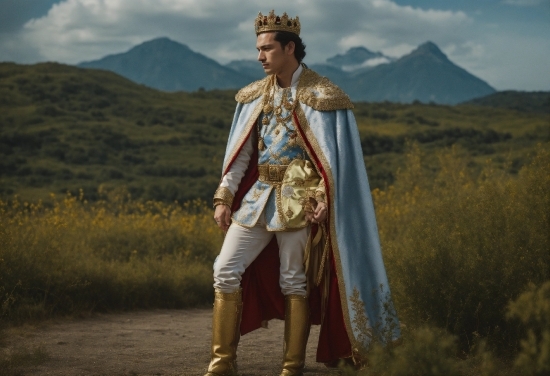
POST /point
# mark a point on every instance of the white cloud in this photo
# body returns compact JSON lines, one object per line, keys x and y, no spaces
{"x":389,"y":27}
{"x":366,"y":64}
{"x":79,"y":30}
{"x":76,"y":30}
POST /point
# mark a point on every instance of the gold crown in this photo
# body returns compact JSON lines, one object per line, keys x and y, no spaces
{"x":276,"y":23}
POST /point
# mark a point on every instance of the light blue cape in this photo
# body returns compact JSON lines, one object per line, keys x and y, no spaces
{"x":334,"y":142}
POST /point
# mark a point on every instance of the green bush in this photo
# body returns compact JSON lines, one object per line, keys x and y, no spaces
{"x":532,"y":308}
{"x":425,"y":351}
{"x":459,"y":247}
{"x":110,"y":255}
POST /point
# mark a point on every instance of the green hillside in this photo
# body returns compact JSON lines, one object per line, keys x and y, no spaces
{"x":64,"y":128}
{"x":536,"y":101}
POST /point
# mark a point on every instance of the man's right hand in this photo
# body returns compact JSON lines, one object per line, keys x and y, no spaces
{"x":222,"y":216}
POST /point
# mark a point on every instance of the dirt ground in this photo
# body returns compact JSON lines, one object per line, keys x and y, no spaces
{"x":160,"y":342}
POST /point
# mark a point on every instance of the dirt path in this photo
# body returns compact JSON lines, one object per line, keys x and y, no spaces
{"x":161,"y":342}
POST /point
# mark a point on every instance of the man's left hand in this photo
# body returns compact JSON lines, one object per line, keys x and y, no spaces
{"x":319,"y":214}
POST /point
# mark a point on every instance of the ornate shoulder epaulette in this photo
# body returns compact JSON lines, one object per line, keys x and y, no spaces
{"x":252,"y":91}
{"x":319,"y":93}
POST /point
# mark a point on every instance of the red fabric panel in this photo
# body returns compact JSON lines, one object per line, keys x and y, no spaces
{"x":262,"y":296}
{"x":315,"y":297}
{"x":334,"y":342}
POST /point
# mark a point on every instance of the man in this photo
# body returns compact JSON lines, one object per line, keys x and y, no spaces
{"x":301,"y":243}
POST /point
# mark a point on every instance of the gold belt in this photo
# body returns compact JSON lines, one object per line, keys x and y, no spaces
{"x":272,"y":173}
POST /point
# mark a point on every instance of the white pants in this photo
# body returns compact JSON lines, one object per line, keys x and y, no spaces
{"x":241,"y":247}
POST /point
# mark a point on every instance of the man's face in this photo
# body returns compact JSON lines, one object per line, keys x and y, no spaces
{"x":273,"y":57}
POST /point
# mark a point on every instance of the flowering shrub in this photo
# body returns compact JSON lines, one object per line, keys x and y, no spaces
{"x":458,"y":247}
{"x":532,"y":308}
{"x":76,"y":256}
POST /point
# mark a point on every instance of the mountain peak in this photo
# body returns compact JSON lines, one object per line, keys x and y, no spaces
{"x":161,"y":43}
{"x":359,"y":50}
{"x":429,"y":48}
{"x":169,"y":65}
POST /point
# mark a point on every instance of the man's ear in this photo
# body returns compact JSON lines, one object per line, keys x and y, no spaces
{"x":290,"y":47}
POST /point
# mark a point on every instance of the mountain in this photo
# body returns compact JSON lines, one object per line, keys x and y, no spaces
{"x":248,"y":68}
{"x":170,"y":66}
{"x":425,"y":75}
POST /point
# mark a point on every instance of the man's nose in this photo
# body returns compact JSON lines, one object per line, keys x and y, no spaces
{"x":261,"y":56}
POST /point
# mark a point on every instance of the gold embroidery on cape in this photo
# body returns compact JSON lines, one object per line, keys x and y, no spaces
{"x":313,"y":90}
{"x":320,"y":93}
{"x":252,"y":91}
{"x":360,"y":320}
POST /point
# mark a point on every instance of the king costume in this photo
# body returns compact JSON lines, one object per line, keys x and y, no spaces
{"x":288,"y":150}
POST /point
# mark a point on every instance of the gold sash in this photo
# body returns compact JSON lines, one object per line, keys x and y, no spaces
{"x":298,"y":192}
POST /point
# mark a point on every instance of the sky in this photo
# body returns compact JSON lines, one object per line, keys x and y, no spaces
{"x":504,"y":42}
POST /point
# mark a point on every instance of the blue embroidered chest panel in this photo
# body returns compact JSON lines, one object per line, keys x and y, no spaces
{"x":278,"y":138}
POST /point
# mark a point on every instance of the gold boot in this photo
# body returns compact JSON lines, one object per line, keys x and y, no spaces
{"x":296,"y":334}
{"x":226,"y":323}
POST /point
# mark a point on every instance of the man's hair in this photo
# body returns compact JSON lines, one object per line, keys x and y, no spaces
{"x":284,"y":37}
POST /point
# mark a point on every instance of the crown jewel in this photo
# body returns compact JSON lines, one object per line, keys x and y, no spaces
{"x":272,"y":22}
